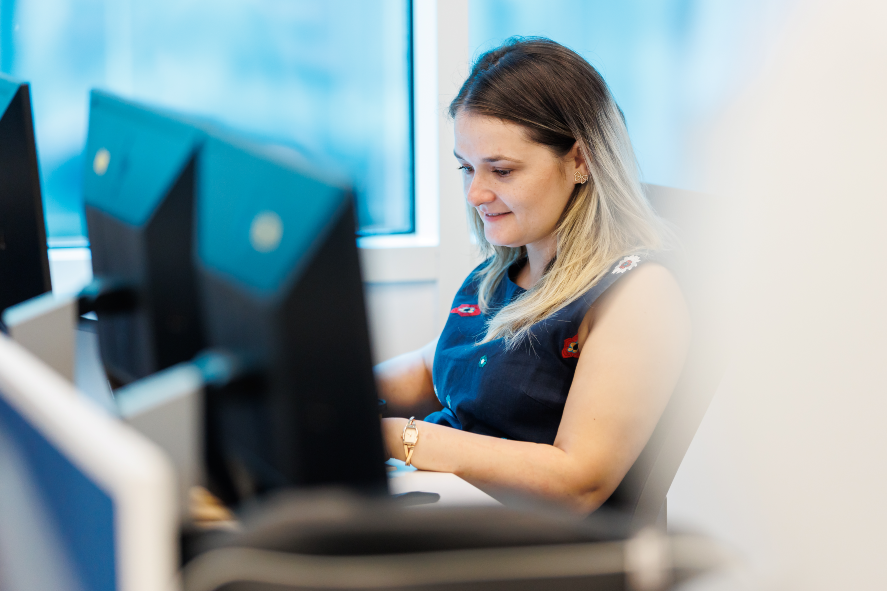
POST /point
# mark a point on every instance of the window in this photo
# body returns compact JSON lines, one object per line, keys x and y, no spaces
{"x":329,"y":78}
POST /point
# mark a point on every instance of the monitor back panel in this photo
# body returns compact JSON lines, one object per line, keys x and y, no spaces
{"x":281,"y":287}
{"x":139,"y":193}
{"x":24,"y":266}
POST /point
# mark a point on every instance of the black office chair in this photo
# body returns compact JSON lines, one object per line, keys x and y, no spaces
{"x":697,"y":260}
{"x":329,"y":540}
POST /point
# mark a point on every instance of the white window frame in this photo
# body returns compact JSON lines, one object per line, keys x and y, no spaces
{"x":440,"y":249}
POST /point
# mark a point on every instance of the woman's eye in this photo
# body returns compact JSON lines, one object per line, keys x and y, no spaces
{"x":501,"y":172}
{"x":465,"y":168}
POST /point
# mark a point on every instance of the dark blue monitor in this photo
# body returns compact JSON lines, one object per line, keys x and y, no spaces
{"x":24,"y":265}
{"x":282,"y":292}
{"x":138,"y":189}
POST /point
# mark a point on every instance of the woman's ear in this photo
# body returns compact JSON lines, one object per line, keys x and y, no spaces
{"x":576,"y":160}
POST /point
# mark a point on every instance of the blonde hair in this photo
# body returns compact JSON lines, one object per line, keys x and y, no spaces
{"x":561,"y":100}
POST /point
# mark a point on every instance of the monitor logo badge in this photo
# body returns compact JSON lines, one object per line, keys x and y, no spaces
{"x":101,"y":161}
{"x":266,"y":231}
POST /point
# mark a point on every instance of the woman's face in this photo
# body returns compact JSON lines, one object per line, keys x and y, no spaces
{"x":518,"y":187}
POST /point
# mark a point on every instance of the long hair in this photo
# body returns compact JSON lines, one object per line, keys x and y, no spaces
{"x":560,"y":100}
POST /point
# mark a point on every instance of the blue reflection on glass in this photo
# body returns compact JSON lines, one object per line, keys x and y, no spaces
{"x":329,"y":78}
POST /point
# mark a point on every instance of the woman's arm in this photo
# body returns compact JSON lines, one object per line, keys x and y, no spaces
{"x":635,"y":340}
{"x":404,"y":382}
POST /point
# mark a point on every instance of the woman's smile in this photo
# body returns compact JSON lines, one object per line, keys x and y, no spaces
{"x":489,"y":217}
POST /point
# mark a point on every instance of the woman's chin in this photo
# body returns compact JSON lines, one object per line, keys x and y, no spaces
{"x":500,"y":239}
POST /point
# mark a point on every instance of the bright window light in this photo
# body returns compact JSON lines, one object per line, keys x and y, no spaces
{"x":329,"y":78}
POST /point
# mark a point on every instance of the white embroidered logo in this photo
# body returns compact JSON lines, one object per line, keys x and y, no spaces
{"x":627,"y":264}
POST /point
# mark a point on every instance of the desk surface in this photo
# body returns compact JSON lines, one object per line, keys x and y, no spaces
{"x":453,"y":490}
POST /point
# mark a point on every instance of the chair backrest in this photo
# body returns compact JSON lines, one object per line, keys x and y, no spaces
{"x":333,"y":539}
{"x":696,"y":261}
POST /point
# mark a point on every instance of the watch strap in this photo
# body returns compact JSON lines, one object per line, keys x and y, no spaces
{"x":409,"y":445}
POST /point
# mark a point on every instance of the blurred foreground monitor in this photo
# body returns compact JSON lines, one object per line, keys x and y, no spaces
{"x":85,"y":501}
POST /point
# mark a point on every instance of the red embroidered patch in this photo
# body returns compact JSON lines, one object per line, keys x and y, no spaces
{"x":571,"y":347}
{"x":466,"y":310}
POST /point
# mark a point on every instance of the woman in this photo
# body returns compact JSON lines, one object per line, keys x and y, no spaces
{"x":563,"y":347}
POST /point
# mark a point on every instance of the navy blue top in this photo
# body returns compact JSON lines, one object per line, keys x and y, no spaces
{"x":518,"y":394}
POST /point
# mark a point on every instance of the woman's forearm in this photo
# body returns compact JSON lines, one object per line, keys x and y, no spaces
{"x":405,"y":383}
{"x":495,"y":464}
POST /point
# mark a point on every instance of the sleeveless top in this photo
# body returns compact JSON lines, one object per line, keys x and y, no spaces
{"x":518,"y":394}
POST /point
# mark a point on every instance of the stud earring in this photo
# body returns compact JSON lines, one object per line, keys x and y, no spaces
{"x":580,"y":178}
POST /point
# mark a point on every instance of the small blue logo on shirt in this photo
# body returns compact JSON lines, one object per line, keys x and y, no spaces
{"x":482,"y":362}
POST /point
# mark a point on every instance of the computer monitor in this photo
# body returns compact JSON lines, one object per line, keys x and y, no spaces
{"x":24,"y":266}
{"x":281,"y":291}
{"x":138,"y":188}
{"x":85,"y":501}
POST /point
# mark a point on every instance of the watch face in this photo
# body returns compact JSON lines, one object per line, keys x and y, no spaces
{"x":411,"y":435}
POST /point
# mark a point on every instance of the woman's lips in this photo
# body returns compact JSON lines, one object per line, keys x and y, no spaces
{"x":494,"y":217}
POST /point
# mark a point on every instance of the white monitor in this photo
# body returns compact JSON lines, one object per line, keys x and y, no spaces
{"x":86,"y":503}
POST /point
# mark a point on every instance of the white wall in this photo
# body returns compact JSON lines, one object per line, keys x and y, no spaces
{"x":402,"y":316}
{"x":790,"y":463}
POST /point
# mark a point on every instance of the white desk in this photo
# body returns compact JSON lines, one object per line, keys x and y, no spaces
{"x":453,"y":490}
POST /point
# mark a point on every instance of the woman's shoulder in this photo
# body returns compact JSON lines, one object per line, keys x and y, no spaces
{"x":649,"y":287}
{"x":618,"y":273}
{"x":646,"y":299}
{"x":651,"y":278}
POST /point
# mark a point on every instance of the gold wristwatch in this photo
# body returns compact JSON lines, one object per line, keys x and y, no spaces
{"x":410,"y":437}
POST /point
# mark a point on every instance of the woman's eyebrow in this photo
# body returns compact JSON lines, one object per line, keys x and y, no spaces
{"x":494,"y":158}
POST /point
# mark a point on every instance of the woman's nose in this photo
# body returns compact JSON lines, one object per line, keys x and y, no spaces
{"x":477,"y":192}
